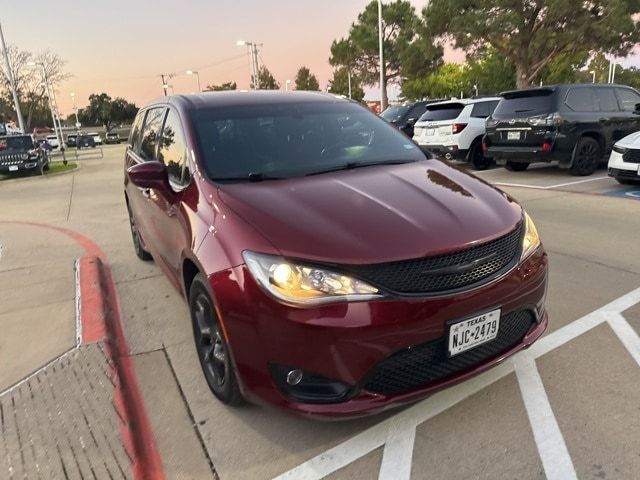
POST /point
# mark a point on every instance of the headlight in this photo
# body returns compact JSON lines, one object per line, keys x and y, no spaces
{"x":531,"y":239}
{"x":619,"y":149}
{"x":293,"y":282}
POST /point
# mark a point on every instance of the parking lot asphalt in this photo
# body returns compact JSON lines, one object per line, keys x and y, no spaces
{"x":567,"y":408}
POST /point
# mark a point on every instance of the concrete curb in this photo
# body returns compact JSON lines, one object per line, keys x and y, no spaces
{"x":9,"y":181}
{"x":101,"y":320}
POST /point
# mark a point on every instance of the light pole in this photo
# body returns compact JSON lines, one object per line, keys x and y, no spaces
{"x":255,"y":68}
{"x":57,"y":131}
{"x":12,"y":83}
{"x":349,"y":80}
{"x":192,"y":72}
{"x":75,"y":110}
{"x":593,"y":78}
{"x":383,"y":92}
{"x":286,"y":85}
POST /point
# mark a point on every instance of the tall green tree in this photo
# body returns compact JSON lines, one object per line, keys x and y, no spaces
{"x":339,"y":84}
{"x":222,"y":87}
{"x":489,"y":72}
{"x":105,"y":111}
{"x":409,"y":50}
{"x":266,"y":80}
{"x":305,"y":80}
{"x":447,"y":81}
{"x":531,"y":33}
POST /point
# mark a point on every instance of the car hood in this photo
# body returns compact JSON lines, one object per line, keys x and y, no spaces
{"x":374,"y":214}
{"x":630,"y":141}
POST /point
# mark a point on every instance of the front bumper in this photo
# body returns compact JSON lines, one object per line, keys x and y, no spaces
{"x":19,"y":167}
{"x":618,"y":168}
{"x":345,"y":341}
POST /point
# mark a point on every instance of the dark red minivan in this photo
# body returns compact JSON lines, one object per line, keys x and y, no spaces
{"x":330,"y":267}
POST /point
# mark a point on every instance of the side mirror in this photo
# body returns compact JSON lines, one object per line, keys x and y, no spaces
{"x":150,"y":175}
{"x":636,"y":109}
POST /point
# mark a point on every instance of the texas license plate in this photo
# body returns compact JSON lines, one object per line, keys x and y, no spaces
{"x":429,"y":132}
{"x":513,"y":135}
{"x":472,"y":332}
{"x":13,"y":168}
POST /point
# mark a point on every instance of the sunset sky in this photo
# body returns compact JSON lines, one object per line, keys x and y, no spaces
{"x":121,"y":46}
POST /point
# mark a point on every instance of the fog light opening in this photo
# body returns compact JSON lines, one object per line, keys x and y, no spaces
{"x":294,"y":377}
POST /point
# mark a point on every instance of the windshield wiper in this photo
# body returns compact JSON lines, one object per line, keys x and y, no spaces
{"x":251,"y":177}
{"x":354,"y":165}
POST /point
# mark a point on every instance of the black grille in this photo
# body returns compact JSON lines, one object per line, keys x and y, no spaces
{"x":629,"y":174}
{"x":445,"y":272}
{"x":423,"y":364}
{"x":631,"y":156}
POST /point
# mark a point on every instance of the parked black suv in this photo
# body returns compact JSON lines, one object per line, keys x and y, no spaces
{"x":575,"y":124}
{"x":405,"y":116}
{"x":19,"y":153}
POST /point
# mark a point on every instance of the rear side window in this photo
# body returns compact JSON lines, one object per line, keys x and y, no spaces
{"x":525,"y":103}
{"x":150,"y":133}
{"x":173,"y":151}
{"x":606,"y":99}
{"x":483,"y":109}
{"x":627,"y":99}
{"x":447,"y":111}
{"x":417,"y":111}
{"x":581,"y":100}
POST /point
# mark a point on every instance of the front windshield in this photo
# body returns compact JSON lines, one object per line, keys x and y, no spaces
{"x":288,"y":140}
{"x":16,"y":143}
{"x":395,"y":113}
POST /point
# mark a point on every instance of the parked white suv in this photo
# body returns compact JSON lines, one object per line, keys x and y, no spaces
{"x":624,"y":162}
{"x":454,"y":129}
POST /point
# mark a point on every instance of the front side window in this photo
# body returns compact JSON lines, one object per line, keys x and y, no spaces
{"x":134,"y":136}
{"x":606,"y":99}
{"x":290,"y":140}
{"x":173,"y":151}
{"x":627,"y":99}
{"x":150,"y":133}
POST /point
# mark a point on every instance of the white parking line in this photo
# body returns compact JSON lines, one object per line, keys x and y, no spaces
{"x":551,"y":187}
{"x":546,"y":432}
{"x":626,"y":334}
{"x":398,"y":452}
{"x":555,"y":464}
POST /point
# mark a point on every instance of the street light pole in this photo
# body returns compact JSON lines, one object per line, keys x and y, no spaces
{"x":383,"y":93}
{"x":255,"y":67}
{"x":75,"y":109}
{"x":197,"y":74}
{"x":349,"y":79}
{"x":12,"y":83}
{"x":593,"y":78}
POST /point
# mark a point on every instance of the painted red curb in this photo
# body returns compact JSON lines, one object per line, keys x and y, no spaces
{"x":101,"y":320}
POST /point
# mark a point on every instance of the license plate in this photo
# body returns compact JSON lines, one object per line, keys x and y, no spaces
{"x":472,"y":332}
{"x":429,"y":132}
{"x":13,"y":168}
{"x":513,"y":135}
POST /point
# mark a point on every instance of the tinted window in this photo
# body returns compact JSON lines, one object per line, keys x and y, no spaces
{"x":289,"y":140}
{"x":606,"y":99}
{"x":417,"y":111}
{"x":525,"y":103}
{"x":134,"y":135}
{"x":448,"y":111}
{"x":173,"y":150}
{"x":627,"y":99}
{"x":395,"y":113}
{"x":581,"y":100}
{"x":150,"y":133}
{"x":481,"y":110}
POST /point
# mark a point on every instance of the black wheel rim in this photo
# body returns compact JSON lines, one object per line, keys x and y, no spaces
{"x":587,"y":155}
{"x":211,"y":348}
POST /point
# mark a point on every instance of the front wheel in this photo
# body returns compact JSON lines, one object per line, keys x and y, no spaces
{"x":586,"y":157}
{"x":138,"y":243}
{"x":516,"y":166}
{"x":211,"y":345}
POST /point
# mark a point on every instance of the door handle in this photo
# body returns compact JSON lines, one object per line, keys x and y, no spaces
{"x":146,"y":192}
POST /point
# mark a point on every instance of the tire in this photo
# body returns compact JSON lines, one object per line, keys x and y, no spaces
{"x":477,"y":159}
{"x":138,"y":243}
{"x":586,"y":157}
{"x":516,"y":166}
{"x":211,"y":346}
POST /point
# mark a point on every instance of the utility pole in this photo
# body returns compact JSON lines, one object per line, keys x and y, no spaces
{"x":383,"y":93}
{"x":254,"y":49}
{"x":164,"y":84}
{"x":12,"y":82}
{"x":255,"y":67}
{"x":349,"y":79}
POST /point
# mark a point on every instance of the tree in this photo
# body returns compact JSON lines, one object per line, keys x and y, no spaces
{"x":531,"y":33}
{"x":102,"y":110}
{"x":447,"y":81}
{"x":266,"y":80}
{"x":30,"y":88}
{"x":222,"y":87}
{"x":409,"y":51}
{"x":490,"y":72}
{"x":305,"y":80}
{"x":339,"y":84}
